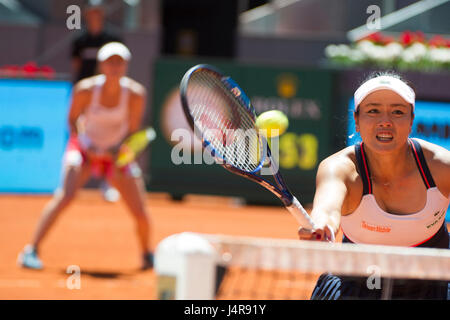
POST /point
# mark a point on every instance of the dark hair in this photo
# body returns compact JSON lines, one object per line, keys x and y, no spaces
{"x":389,"y":73}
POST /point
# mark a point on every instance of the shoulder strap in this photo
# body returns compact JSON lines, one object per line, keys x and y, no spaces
{"x":96,"y":91}
{"x":125,"y":92}
{"x":422,"y":164}
{"x":363,"y":168}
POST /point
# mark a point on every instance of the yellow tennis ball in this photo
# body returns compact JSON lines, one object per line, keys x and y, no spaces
{"x":272,"y":120}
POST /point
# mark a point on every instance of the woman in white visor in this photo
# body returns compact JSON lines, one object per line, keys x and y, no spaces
{"x":389,"y":189}
{"x":105,"y":109}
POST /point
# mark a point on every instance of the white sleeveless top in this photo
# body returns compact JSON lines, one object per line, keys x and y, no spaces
{"x":370,"y":224}
{"x":104,"y":127}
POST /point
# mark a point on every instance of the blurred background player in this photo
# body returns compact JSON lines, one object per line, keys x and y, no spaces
{"x":106,"y":108}
{"x":84,"y":61}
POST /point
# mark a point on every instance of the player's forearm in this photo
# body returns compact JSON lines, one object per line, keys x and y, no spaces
{"x":328,"y":201}
{"x":136,"y":114}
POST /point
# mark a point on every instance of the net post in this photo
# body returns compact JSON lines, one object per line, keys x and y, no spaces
{"x":185,"y":265}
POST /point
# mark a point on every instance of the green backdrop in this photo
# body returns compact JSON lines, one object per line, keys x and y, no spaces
{"x":305,"y":95}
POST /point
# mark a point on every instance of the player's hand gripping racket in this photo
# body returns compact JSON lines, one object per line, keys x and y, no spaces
{"x":221,"y":115}
{"x":132,"y":146}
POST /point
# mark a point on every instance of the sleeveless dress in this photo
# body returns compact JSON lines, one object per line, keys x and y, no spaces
{"x":370,"y":224}
{"x":101,"y":128}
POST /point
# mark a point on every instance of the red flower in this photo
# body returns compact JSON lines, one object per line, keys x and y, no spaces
{"x":47,"y":72}
{"x":11,"y":70}
{"x":419,"y":37}
{"x":30,"y":69}
{"x":438,"y":41}
{"x":387,"y":39}
{"x":406,"y":38}
{"x":376,"y":37}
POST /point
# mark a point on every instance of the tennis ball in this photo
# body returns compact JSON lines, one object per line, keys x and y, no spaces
{"x":272,"y":119}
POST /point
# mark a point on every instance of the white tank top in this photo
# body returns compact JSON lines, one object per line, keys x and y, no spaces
{"x":104,"y":127}
{"x":370,"y":224}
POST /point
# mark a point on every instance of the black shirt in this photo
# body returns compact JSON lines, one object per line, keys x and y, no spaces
{"x":86,"y":47}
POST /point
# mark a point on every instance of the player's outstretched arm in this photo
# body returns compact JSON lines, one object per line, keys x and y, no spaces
{"x":438,"y":159}
{"x":80,"y":99}
{"x":137,"y":107}
{"x":329,"y":198}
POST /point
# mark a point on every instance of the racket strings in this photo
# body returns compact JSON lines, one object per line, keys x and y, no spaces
{"x":224,"y":122}
{"x":239,"y":135}
{"x":235,"y":115}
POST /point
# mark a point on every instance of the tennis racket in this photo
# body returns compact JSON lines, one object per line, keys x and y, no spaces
{"x":222,"y":117}
{"x":132,"y":146}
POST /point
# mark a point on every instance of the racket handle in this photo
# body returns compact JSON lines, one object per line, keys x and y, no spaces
{"x":304,"y":219}
{"x":300,"y":214}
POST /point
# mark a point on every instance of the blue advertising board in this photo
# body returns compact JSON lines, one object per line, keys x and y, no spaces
{"x":431,"y":123}
{"x":33,"y":134}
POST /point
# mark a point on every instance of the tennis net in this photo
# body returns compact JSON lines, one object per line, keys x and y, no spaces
{"x":207,"y":266}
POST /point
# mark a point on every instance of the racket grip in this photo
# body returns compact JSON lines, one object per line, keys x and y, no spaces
{"x":300,"y":214}
{"x":304,"y":219}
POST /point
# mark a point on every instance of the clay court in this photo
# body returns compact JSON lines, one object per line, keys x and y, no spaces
{"x":99,"y":238}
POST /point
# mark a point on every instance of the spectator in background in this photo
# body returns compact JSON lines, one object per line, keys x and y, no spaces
{"x":84,"y":62}
{"x":85,"y":47}
{"x":105,"y":109}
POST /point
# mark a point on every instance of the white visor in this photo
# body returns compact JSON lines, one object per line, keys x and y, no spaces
{"x":113,"y":49}
{"x":385,"y":82}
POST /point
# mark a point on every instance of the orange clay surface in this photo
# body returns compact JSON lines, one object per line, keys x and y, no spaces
{"x":99,"y":238}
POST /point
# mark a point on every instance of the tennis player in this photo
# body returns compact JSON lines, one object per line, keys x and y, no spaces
{"x":387,"y":190}
{"x":105,"y":109}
